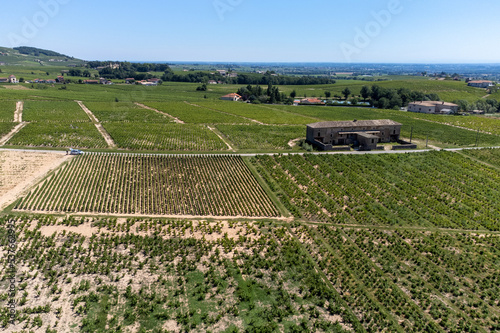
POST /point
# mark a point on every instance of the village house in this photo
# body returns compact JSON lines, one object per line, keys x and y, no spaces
{"x":231,"y":97}
{"x":129,"y":80}
{"x":60,"y":79}
{"x":212,"y":82}
{"x":13,"y":79}
{"x":91,"y":81}
{"x":365,"y":134}
{"x":436,"y":107}
{"x":480,"y":84}
{"x":4,"y":79}
{"x":312,"y":101}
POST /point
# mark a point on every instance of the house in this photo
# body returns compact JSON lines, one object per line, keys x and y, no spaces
{"x":231,"y":97}
{"x":480,"y":84}
{"x":436,"y":107}
{"x":50,"y":81}
{"x":222,"y":72}
{"x":4,"y":79}
{"x":129,"y":80}
{"x":312,"y":101}
{"x":91,"y":81}
{"x":233,"y":75}
{"x":12,"y":79}
{"x":154,"y":80}
{"x":60,"y":79}
{"x":146,"y":83}
{"x":212,"y":82}
{"x":364,"y":134}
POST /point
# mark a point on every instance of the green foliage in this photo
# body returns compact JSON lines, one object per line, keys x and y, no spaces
{"x":44,"y":111}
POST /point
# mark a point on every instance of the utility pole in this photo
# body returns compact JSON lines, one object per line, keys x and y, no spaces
{"x":426,"y":140}
{"x":411,"y":134}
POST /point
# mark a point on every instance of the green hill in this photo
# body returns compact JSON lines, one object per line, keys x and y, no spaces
{"x":29,"y":56}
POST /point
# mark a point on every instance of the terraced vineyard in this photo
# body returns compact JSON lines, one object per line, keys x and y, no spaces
{"x":153,"y":185}
{"x":164,"y":136}
{"x":440,"y":189}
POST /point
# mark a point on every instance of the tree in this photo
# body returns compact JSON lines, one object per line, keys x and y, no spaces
{"x":346,"y":92}
{"x":328,"y":94}
{"x":293,"y":94}
{"x":383,"y":103}
{"x":365,"y":92}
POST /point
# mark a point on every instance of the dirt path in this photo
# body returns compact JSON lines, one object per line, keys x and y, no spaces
{"x":98,"y":125}
{"x":9,"y":136}
{"x":293,"y":143}
{"x":18,"y":183}
{"x":486,"y":96}
{"x":18,"y":115}
{"x":230,"y":114}
{"x":177,"y":120}
{"x":220,"y":137}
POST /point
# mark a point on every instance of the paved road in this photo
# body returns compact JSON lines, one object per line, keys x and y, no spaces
{"x":352,"y":152}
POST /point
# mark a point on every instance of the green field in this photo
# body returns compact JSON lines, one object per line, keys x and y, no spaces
{"x":7,"y":110}
{"x":125,"y":112}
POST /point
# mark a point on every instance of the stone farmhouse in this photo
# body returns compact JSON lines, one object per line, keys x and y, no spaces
{"x":436,"y":107}
{"x":480,"y":84}
{"x":365,"y":134}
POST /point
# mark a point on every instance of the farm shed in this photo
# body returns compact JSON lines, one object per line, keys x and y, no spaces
{"x":363,"y":133}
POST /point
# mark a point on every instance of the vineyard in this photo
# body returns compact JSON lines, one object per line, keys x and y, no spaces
{"x":261,"y":137}
{"x":145,"y":274}
{"x":124,"y":112}
{"x":153,"y":185}
{"x":59,"y":134}
{"x":491,"y":156}
{"x":7,"y":111}
{"x":437,"y":189}
{"x":258,"y":113}
{"x":195,"y":114}
{"x":164,"y":136}
{"x":43,"y":111}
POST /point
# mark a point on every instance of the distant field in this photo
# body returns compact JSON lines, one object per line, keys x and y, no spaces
{"x":261,"y":137}
{"x":124,"y":111}
{"x":195,"y":114}
{"x":44,"y":111}
{"x":438,"y":189}
{"x":164,"y":136}
{"x":63,"y":135}
{"x":158,"y":185}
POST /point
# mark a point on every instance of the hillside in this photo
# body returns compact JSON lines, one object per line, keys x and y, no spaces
{"x":28,"y":56}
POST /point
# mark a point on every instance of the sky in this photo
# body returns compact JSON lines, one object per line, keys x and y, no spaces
{"x":350,"y":31}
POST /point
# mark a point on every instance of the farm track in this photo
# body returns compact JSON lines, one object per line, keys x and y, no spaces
{"x":18,"y":114}
{"x":177,"y":120}
{"x":98,"y":125}
{"x":220,"y":136}
{"x":9,"y":136}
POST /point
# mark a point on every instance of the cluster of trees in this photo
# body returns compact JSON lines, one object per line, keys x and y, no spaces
{"x":486,"y":105}
{"x":249,"y":78}
{"x":386,"y":98}
{"x":138,"y":71}
{"x":36,"y":52}
{"x":79,"y":72}
{"x":256,"y":94}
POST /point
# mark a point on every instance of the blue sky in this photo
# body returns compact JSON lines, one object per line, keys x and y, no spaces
{"x":402,"y":31}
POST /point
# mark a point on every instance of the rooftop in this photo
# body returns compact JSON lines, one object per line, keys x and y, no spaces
{"x":355,"y":123}
{"x":433,"y":103}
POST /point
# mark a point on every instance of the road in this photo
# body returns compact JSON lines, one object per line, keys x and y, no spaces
{"x":352,"y":152}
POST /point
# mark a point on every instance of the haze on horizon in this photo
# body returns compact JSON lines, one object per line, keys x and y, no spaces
{"x":358,"y":31}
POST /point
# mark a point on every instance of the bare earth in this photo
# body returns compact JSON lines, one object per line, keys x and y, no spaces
{"x":100,"y":128}
{"x":18,"y":114}
{"x":220,"y":137}
{"x":16,"y":87}
{"x":19,"y":171}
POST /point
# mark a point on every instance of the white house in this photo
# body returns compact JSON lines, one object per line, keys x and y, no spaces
{"x":231,"y":97}
{"x":433,"y":107}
